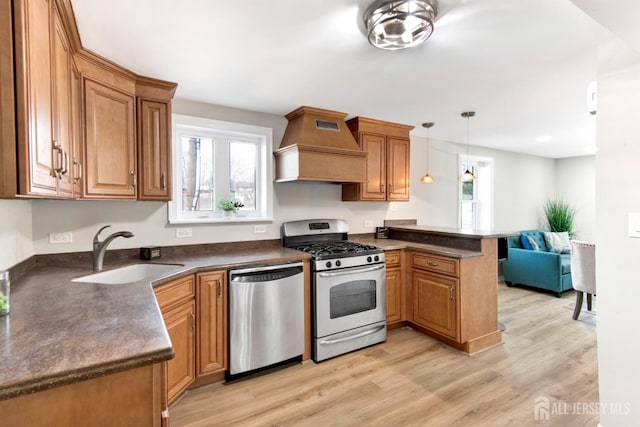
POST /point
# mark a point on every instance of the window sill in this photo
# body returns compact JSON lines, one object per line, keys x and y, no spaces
{"x":218,"y":220}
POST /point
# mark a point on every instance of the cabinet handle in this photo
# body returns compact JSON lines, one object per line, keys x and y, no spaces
{"x":382,"y":188}
{"x":57,"y":164}
{"x":133,"y":179}
{"x":451,"y":293}
{"x":78,"y":176}
{"x":433,"y":264}
{"x":163,"y":181}
{"x":219,"y":289}
{"x":65,"y":163}
{"x":193,"y":321}
{"x":390,"y":188}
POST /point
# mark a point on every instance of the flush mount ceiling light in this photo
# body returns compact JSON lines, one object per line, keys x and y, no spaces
{"x":427,"y":178}
{"x":467,"y":176}
{"x":399,"y":24}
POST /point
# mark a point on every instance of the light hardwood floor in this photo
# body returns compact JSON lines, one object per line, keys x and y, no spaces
{"x":413,"y":380}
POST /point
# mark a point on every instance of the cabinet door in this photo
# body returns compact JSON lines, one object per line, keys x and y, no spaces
{"x":398,"y":169}
{"x":180,"y":323}
{"x":77,"y":169}
{"x":154,"y":154}
{"x":394,"y":283}
{"x":375,"y":187}
{"x":211,"y":345}
{"x":434,"y":303}
{"x":110,"y":149}
{"x":62,"y":112}
{"x":34,"y":97}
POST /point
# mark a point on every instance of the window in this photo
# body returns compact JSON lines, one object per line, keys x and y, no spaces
{"x":476,"y":197}
{"x":215,"y":160}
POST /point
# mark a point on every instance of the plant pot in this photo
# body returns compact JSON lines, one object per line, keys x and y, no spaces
{"x":227,"y":214}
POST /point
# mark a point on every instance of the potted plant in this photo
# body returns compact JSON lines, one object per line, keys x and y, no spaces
{"x":229,"y":207}
{"x":559,"y":215}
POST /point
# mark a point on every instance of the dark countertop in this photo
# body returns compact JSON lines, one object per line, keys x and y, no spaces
{"x":459,"y":232}
{"x":391,"y":244}
{"x":59,"y":332}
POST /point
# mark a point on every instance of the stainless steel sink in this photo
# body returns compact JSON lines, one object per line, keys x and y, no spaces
{"x":130,"y":273}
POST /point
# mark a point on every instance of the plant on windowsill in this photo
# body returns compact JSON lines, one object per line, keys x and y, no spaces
{"x":229,"y":207}
{"x":559,"y":215}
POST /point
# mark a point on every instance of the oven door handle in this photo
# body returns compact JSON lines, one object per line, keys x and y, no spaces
{"x":352,"y":337}
{"x":352,"y":271}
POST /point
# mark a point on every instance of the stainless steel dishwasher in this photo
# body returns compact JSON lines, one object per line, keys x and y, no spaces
{"x":266,"y":316}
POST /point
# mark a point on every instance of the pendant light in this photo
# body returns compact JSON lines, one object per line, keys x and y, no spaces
{"x":427,"y":178}
{"x":467,"y":176}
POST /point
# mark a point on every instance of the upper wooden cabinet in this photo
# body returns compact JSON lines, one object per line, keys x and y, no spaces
{"x":84,"y":126}
{"x":387,"y":147}
{"x":110,"y":145}
{"x":154,"y":138}
{"x":34,"y":97}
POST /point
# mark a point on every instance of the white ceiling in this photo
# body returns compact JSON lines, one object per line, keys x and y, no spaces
{"x":522,"y":65}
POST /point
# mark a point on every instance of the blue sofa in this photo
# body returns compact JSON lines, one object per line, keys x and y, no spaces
{"x":536,"y":268}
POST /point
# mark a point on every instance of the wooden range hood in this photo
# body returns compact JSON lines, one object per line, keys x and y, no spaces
{"x":318,"y":146}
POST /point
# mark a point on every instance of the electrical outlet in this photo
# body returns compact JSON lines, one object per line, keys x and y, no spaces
{"x":393,"y":206}
{"x":259,"y":228}
{"x":184,"y":232}
{"x":56,"y":238}
{"x":368,"y":223}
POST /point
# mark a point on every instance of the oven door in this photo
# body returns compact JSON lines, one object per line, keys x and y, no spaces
{"x":350,"y":298}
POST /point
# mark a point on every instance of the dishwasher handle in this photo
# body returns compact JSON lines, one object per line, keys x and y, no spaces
{"x":265,"y":274}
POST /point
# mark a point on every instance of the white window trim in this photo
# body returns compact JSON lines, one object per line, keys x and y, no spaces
{"x":264,"y":169}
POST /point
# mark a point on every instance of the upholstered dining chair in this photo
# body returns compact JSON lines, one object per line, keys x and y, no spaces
{"x":583,"y":272}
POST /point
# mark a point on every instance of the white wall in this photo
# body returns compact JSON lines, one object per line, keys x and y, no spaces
{"x":617,"y":194}
{"x":576,"y":184}
{"x":517,"y":202}
{"x":15,"y":232}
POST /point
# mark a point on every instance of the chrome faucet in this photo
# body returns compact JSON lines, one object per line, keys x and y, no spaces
{"x":100,"y":247}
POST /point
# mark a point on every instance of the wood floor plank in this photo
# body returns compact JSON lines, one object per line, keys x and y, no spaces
{"x":414,"y":380}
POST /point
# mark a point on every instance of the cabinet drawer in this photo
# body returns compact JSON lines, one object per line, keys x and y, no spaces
{"x":392,"y":258}
{"x":174,"y":292}
{"x":434,"y":263}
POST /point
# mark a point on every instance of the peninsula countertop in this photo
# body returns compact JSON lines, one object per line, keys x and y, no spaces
{"x":454,"y":232}
{"x":59,"y":331}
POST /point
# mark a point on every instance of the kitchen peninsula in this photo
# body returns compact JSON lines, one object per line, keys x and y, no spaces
{"x":444,"y":283}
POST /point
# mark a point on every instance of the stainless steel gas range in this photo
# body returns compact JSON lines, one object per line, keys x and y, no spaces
{"x":349,"y":286}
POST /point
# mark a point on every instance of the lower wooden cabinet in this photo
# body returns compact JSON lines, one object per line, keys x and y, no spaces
{"x":180,"y":370}
{"x":177,"y":303}
{"x":434,"y":302}
{"x":394,"y":286}
{"x":194,"y":310}
{"x":211,"y":341}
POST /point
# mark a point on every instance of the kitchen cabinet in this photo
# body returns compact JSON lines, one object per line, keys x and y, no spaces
{"x":435,"y":293}
{"x":394,"y":286}
{"x":177,"y":304}
{"x":154,"y":138}
{"x":211,"y":340}
{"x":40,"y":153}
{"x":77,"y":118}
{"x":388,"y":152}
{"x":126,"y":398}
{"x":110,"y":145}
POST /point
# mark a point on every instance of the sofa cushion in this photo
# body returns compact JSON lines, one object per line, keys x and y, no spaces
{"x":565,"y":263}
{"x":538,"y":237}
{"x":558,"y":242}
{"x":524,"y":241}
{"x":532,"y":243}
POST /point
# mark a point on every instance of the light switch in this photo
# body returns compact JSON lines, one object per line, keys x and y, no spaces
{"x":634,"y":224}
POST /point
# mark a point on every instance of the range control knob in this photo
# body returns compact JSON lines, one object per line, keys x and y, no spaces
{"x":376,"y":258}
{"x":338,"y":263}
{"x":368,"y":259}
{"x":328,"y":264}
